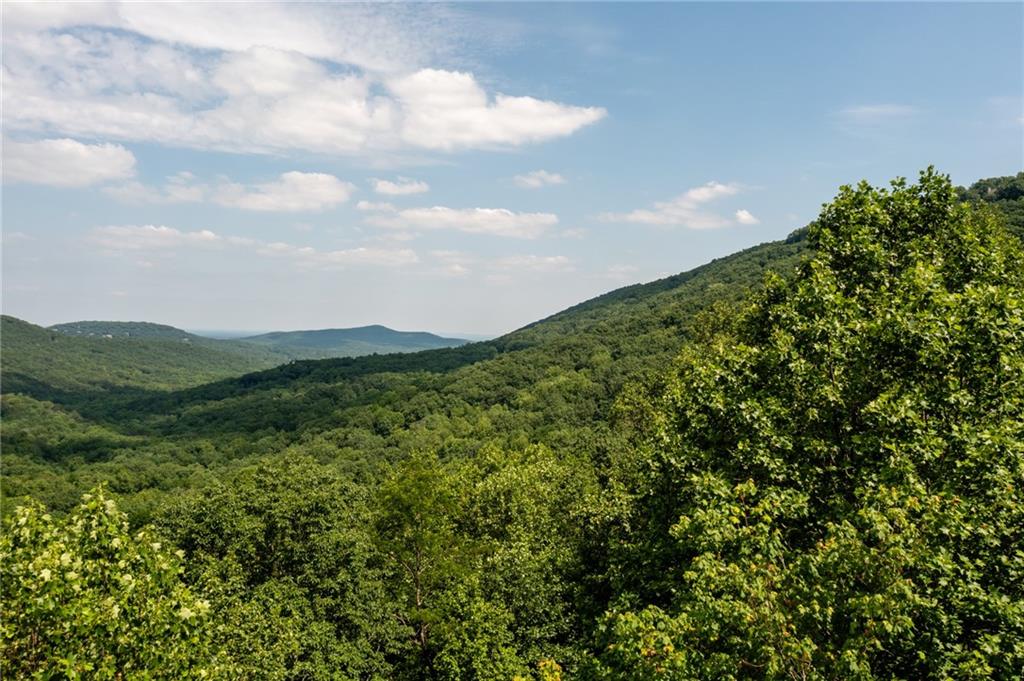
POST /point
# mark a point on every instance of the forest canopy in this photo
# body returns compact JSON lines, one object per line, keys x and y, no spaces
{"x":802,"y":461}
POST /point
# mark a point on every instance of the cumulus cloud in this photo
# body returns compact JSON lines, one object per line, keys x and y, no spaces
{"x":292,"y":192}
{"x":538,"y":179}
{"x":155,"y":239}
{"x":492,"y":221}
{"x":745,"y":218}
{"x":65,"y":162}
{"x":401,"y":187}
{"x":449,"y":110}
{"x":336,"y":79}
{"x":686,"y":210}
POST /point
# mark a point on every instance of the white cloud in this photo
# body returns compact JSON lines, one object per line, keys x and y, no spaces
{"x":401,"y":187}
{"x":685,"y":210}
{"x":538,"y":179}
{"x":744,"y":217}
{"x":375,"y":206}
{"x":369,"y":37}
{"x":449,"y":110}
{"x":493,"y":221}
{"x":65,"y":162}
{"x":536,"y":263}
{"x":135,"y":238}
{"x":292,"y":192}
{"x":334,"y":79}
{"x":154,"y":239}
{"x":310,"y":257}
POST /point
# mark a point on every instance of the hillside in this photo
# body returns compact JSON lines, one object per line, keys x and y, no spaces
{"x":276,"y":347}
{"x":364,"y":340}
{"x":138,"y":330}
{"x":1005,"y":194}
{"x":822,"y":420}
{"x":553,"y":381}
{"x":48,"y":363}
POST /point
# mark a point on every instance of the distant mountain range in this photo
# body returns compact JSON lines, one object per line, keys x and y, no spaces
{"x":105,"y":354}
{"x":310,"y":344}
{"x":363,"y":340}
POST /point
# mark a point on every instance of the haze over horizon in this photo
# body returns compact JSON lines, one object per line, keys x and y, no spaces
{"x":473,"y":167}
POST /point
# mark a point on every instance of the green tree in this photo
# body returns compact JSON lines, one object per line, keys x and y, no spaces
{"x":85,"y":598}
{"x":284,"y":551}
{"x":836,"y":490}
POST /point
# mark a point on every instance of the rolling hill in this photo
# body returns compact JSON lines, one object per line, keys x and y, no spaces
{"x":364,"y":340}
{"x":49,"y":363}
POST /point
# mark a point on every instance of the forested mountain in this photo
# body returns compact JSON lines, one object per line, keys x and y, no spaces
{"x":803,"y":460}
{"x":149,"y":330}
{"x":48,"y":363}
{"x":73,"y":361}
{"x":277,"y":346}
{"x":363,"y":340}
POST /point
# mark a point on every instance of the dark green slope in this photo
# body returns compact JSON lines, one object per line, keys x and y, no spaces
{"x":552,"y":382}
{"x":1006,"y":194}
{"x":565,"y":369}
{"x":363,"y":340}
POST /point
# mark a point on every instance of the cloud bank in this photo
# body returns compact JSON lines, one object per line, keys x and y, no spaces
{"x":331,"y":79}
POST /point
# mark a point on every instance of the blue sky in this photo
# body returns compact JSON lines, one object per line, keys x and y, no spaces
{"x":463,"y":168}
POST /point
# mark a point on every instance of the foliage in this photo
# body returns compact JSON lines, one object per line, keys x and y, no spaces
{"x":824,"y":483}
{"x":1004,"y":194}
{"x":85,"y":598}
{"x":836,"y":490}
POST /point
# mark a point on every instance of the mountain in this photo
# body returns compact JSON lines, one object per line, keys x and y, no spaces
{"x":363,"y":340}
{"x":50,"y":363}
{"x":147,"y":330}
{"x":276,"y":347}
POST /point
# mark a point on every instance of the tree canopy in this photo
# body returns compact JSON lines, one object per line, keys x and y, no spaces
{"x":805,"y":461}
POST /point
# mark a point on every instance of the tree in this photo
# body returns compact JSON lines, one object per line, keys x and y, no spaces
{"x":84,"y":598}
{"x":836,"y":490}
{"x":284,"y":551}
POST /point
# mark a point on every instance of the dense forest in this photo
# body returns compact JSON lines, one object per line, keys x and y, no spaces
{"x":801,"y":461}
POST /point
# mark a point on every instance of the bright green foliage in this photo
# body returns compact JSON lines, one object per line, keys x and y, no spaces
{"x":83,"y":598}
{"x":836,"y":491}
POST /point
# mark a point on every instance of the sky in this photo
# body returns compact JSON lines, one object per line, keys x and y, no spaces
{"x":461,"y":169}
